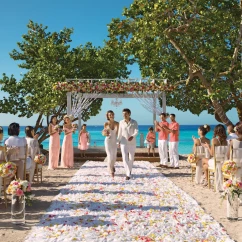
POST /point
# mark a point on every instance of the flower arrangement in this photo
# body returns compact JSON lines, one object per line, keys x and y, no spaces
{"x":105,"y":132}
{"x":8,"y":169}
{"x":229,"y":167}
{"x":57,"y":127}
{"x":192,"y":158}
{"x":233,"y":187}
{"x":40,"y":159}
{"x":111,"y":86}
{"x":20,"y":188}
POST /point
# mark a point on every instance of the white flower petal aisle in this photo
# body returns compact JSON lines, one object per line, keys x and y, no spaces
{"x":149,"y":207}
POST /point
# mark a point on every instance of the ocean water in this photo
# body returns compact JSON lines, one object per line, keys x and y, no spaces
{"x":185,"y":143}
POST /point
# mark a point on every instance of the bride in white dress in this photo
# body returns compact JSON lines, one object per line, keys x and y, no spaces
{"x":111,"y":131}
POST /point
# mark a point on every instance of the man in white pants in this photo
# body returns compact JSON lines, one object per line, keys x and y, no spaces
{"x":162,"y":140}
{"x":173,"y":142}
{"x":127,"y":132}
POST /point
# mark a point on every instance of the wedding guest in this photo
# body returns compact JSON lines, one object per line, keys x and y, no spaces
{"x":15,"y":141}
{"x":54,"y":143}
{"x":236,"y":144}
{"x":1,"y":147}
{"x":150,"y":137}
{"x":67,"y":154}
{"x":110,"y":131}
{"x":33,"y":149}
{"x":202,"y":131}
{"x":161,"y":128}
{"x":173,"y":142}
{"x":127,"y":132}
{"x":83,"y":139}
{"x":219,"y":139}
{"x":231,"y":133}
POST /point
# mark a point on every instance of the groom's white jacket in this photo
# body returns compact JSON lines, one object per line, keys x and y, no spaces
{"x":127,"y":130}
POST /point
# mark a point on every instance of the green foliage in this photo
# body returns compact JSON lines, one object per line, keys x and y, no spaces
{"x":191,"y":43}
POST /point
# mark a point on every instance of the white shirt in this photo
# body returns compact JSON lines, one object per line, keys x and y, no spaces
{"x":126,"y":130}
{"x":232,"y":136}
{"x":15,"y":141}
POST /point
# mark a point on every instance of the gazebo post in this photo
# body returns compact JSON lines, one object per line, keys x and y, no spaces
{"x":68,"y":94}
{"x":163,"y":102}
{"x":79,"y":123}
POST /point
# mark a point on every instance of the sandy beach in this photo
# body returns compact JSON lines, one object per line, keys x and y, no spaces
{"x":55,"y":180}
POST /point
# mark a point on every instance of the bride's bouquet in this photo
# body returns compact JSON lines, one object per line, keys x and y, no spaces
{"x":105,"y":132}
{"x":74,"y":127}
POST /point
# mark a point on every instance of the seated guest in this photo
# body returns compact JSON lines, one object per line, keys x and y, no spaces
{"x":15,"y":141}
{"x":201,"y":151}
{"x":219,"y":139}
{"x":236,"y":144}
{"x":231,"y":133}
{"x":33,"y":148}
{"x":2,"y":158}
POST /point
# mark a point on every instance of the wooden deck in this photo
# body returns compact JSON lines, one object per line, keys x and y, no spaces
{"x":99,"y":154}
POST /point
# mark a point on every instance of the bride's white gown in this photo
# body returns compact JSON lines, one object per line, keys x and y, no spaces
{"x":111,"y":148}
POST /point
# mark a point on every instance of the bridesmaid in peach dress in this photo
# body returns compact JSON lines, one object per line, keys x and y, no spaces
{"x":54,"y":144}
{"x":67,"y":156}
{"x":83,"y":139}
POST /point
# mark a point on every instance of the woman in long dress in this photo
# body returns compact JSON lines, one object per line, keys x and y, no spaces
{"x":54,"y":143}
{"x":67,"y":154}
{"x":83,"y":140}
{"x":111,"y":131}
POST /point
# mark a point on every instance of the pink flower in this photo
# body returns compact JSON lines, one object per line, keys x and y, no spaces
{"x":19,"y":192}
{"x":29,"y":188}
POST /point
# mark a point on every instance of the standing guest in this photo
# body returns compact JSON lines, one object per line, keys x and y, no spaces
{"x":161,"y":128}
{"x":231,"y":133}
{"x":67,"y":154}
{"x":83,"y":140}
{"x":33,"y":149}
{"x":15,"y":141}
{"x":198,"y":144}
{"x":150,"y":137}
{"x":54,"y":143}
{"x":110,"y":131}
{"x":127,"y":132}
{"x":173,"y":142}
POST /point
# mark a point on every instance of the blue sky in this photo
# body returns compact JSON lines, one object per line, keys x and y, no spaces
{"x":89,"y":18}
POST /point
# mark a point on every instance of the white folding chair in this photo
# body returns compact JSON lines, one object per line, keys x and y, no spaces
{"x":215,"y":172}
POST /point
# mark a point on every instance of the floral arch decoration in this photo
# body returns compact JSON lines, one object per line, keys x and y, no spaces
{"x":112,"y":85}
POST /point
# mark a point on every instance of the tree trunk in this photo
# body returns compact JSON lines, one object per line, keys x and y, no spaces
{"x":218,"y":109}
{"x":239,"y":110}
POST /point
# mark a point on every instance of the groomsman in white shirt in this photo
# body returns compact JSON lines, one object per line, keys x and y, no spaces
{"x":128,"y":130}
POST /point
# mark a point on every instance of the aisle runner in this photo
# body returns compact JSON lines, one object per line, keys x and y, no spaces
{"x":93,"y":207}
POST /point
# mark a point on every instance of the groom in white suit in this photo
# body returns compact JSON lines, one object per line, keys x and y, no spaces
{"x":127,"y":132}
